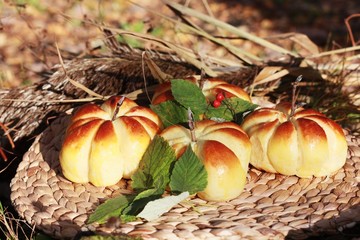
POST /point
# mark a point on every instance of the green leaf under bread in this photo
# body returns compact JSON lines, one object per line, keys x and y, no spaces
{"x":154,"y":168}
{"x":189,"y":174}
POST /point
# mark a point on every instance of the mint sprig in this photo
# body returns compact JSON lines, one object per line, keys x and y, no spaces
{"x":154,"y":168}
{"x":141,"y":200}
{"x":170,"y":112}
{"x":232,"y":109}
{"x":189,"y":95}
{"x":112,"y":207}
{"x":150,"y":181}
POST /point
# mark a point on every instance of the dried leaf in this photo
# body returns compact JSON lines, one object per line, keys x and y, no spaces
{"x":269,"y":74}
{"x":155,"y":70}
{"x":305,"y":42}
{"x":155,"y":209}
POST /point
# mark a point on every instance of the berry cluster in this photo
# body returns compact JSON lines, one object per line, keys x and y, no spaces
{"x":219,"y":98}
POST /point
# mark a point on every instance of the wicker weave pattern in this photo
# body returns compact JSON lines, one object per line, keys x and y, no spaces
{"x":271,"y":206}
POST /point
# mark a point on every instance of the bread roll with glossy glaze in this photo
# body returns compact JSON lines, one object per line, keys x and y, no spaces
{"x":101,"y":148}
{"x":224,"y":148}
{"x":306,"y":144}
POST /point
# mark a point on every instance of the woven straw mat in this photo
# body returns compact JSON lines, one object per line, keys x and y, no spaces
{"x":272,"y":206}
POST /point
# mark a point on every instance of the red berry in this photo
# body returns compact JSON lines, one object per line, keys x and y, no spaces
{"x":216,"y":103}
{"x":220,"y":96}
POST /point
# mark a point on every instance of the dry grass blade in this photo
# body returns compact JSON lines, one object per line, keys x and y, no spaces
{"x":182,"y":52}
{"x":61,"y":101}
{"x":87,"y":90}
{"x":155,"y":70}
{"x":339,"y":65}
{"x":80,"y":100}
{"x":237,"y":52}
{"x":228,"y":27}
{"x":11,"y":227}
{"x":305,"y":42}
{"x":7,"y":166}
{"x":300,"y":39}
{"x":269,"y":74}
{"x":355,"y":57}
{"x":242,"y":55}
{"x":76,"y":84}
{"x":136,"y":95}
{"x":333,"y":52}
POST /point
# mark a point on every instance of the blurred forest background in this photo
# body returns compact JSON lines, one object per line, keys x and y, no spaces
{"x":29,"y":29}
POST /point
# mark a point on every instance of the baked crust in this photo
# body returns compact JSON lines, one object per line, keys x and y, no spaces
{"x":306,"y":144}
{"x":224,"y":148}
{"x":102,"y":148}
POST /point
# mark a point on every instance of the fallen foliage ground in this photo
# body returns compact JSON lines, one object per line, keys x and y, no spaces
{"x":29,"y":30}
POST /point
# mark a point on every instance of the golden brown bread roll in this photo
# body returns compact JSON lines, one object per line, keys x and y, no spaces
{"x":102,"y":148}
{"x":224,"y":148}
{"x":305,"y":144}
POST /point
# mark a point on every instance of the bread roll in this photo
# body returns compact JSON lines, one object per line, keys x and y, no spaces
{"x":306,"y":144}
{"x":224,"y":148}
{"x":102,"y":148}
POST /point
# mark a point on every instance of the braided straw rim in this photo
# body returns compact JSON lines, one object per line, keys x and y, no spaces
{"x":271,"y":206}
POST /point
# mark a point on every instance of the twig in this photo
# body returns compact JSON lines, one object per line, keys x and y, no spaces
{"x":6,"y":131}
{"x":3,"y":155}
{"x":76,"y":84}
{"x":347,"y":20}
{"x":144,"y":77}
{"x":294,"y":95}
{"x":10,"y":225}
{"x":191,"y":123}
{"x":117,"y":108}
{"x":2,"y":170}
{"x":154,"y":69}
{"x":7,"y":134}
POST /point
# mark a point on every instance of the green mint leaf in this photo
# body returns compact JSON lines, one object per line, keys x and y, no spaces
{"x":189,"y":95}
{"x":231,"y":109}
{"x":170,"y":113}
{"x":110,"y":208}
{"x":141,"y":200}
{"x":221,"y":112}
{"x":189,"y":174}
{"x":154,"y":168}
{"x":156,"y":208}
{"x":127,"y":218}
